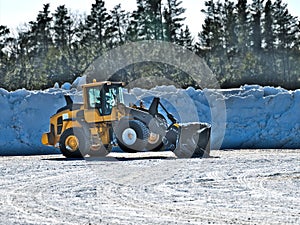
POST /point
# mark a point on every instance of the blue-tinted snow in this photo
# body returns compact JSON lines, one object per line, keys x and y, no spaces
{"x":253,"y":116}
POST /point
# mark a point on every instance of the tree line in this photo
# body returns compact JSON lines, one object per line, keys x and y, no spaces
{"x":241,"y":43}
{"x":251,"y":43}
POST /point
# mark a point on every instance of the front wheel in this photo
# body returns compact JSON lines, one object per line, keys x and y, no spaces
{"x":132,"y":135}
{"x":158,"y":127}
{"x":74,"y":143}
{"x":154,"y":142}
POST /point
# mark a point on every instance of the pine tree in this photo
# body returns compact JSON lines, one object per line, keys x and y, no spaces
{"x":268,"y":34}
{"x":81,"y":46}
{"x":185,"y":38}
{"x":62,"y":28}
{"x":120,"y":24}
{"x":138,"y":25}
{"x":173,"y":17}
{"x":155,"y":19}
{"x":243,"y":25}
{"x":41,"y":30}
{"x":211,"y":38}
{"x":211,"y":35}
{"x":60,"y":61}
{"x":269,"y":57}
{"x":230,"y":25}
{"x":17,"y":77}
{"x":286,"y":26}
{"x":146,"y":21}
{"x":256,"y":31}
{"x":4,"y":58}
{"x":286,"y":32}
{"x":96,"y":24}
{"x":30,"y":70}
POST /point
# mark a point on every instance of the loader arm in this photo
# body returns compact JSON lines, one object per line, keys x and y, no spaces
{"x":153,"y":109}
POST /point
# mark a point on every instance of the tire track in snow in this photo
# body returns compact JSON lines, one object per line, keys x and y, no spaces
{"x":136,"y":201}
{"x":32,"y":201}
{"x":133,"y":195}
{"x":259,"y":183}
{"x":131,"y":189}
{"x":16,"y":195}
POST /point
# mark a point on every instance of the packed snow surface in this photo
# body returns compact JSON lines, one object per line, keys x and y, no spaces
{"x":232,"y":187}
{"x":248,"y":117}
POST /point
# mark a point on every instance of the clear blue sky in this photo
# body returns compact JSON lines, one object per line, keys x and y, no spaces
{"x":14,"y":13}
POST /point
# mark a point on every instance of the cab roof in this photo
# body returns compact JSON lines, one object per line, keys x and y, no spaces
{"x":109,"y":83}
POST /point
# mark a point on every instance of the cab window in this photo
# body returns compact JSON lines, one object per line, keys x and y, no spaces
{"x":94,"y":98}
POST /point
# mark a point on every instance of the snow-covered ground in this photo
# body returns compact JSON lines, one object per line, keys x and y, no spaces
{"x":232,"y":187}
{"x":248,"y":117}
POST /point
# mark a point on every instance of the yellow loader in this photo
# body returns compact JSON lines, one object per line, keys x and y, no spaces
{"x":103,"y":121}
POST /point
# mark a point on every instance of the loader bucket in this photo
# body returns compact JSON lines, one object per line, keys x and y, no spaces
{"x":194,"y":141}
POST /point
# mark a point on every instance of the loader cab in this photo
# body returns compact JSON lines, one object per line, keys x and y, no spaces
{"x":103,"y":96}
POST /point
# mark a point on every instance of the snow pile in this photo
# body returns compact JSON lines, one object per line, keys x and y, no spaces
{"x":24,"y":117}
{"x":262,"y":117}
{"x":249,"y":117}
{"x":254,"y":116}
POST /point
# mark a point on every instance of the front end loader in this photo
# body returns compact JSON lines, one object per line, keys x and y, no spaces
{"x":103,"y":121}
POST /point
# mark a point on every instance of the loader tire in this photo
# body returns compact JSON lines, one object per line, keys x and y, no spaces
{"x":158,"y":127}
{"x":74,"y":143}
{"x":132,"y":135}
{"x":154,"y":142}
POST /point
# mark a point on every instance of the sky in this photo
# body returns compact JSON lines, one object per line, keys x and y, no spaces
{"x":15,"y":13}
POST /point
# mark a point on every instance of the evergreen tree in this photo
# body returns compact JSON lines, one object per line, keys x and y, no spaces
{"x":173,"y":17}
{"x":286,"y":26}
{"x":62,"y":27}
{"x":269,"y":58}
{"x":243,"y":25}
{"x":155,"y":19}
{"x":120,"y":24}
{"x":286,"y":32}
{"x":211,"y":41}
{"x":4,"y":59}
{"x":41,"y":35}
{"x":146,"y":22}
{"x":41,"y":30}
{"x":185,"y":38}
{"x":18,"y":77}
{"x":96,"y":24}
{"x":138,"y":26}
{"x":256,"y":31}
{"x":31,"y":62}
{"x":230,"y":40}
{"x":211,"y":36}
{"x":82,"y":47}
{"x":268,"y":34}
{"x":230,"y":25}
{"x":60,"y":56}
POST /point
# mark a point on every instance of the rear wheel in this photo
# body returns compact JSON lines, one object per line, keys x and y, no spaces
{"x":74,"y":143}
{"x":132,"y":135}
